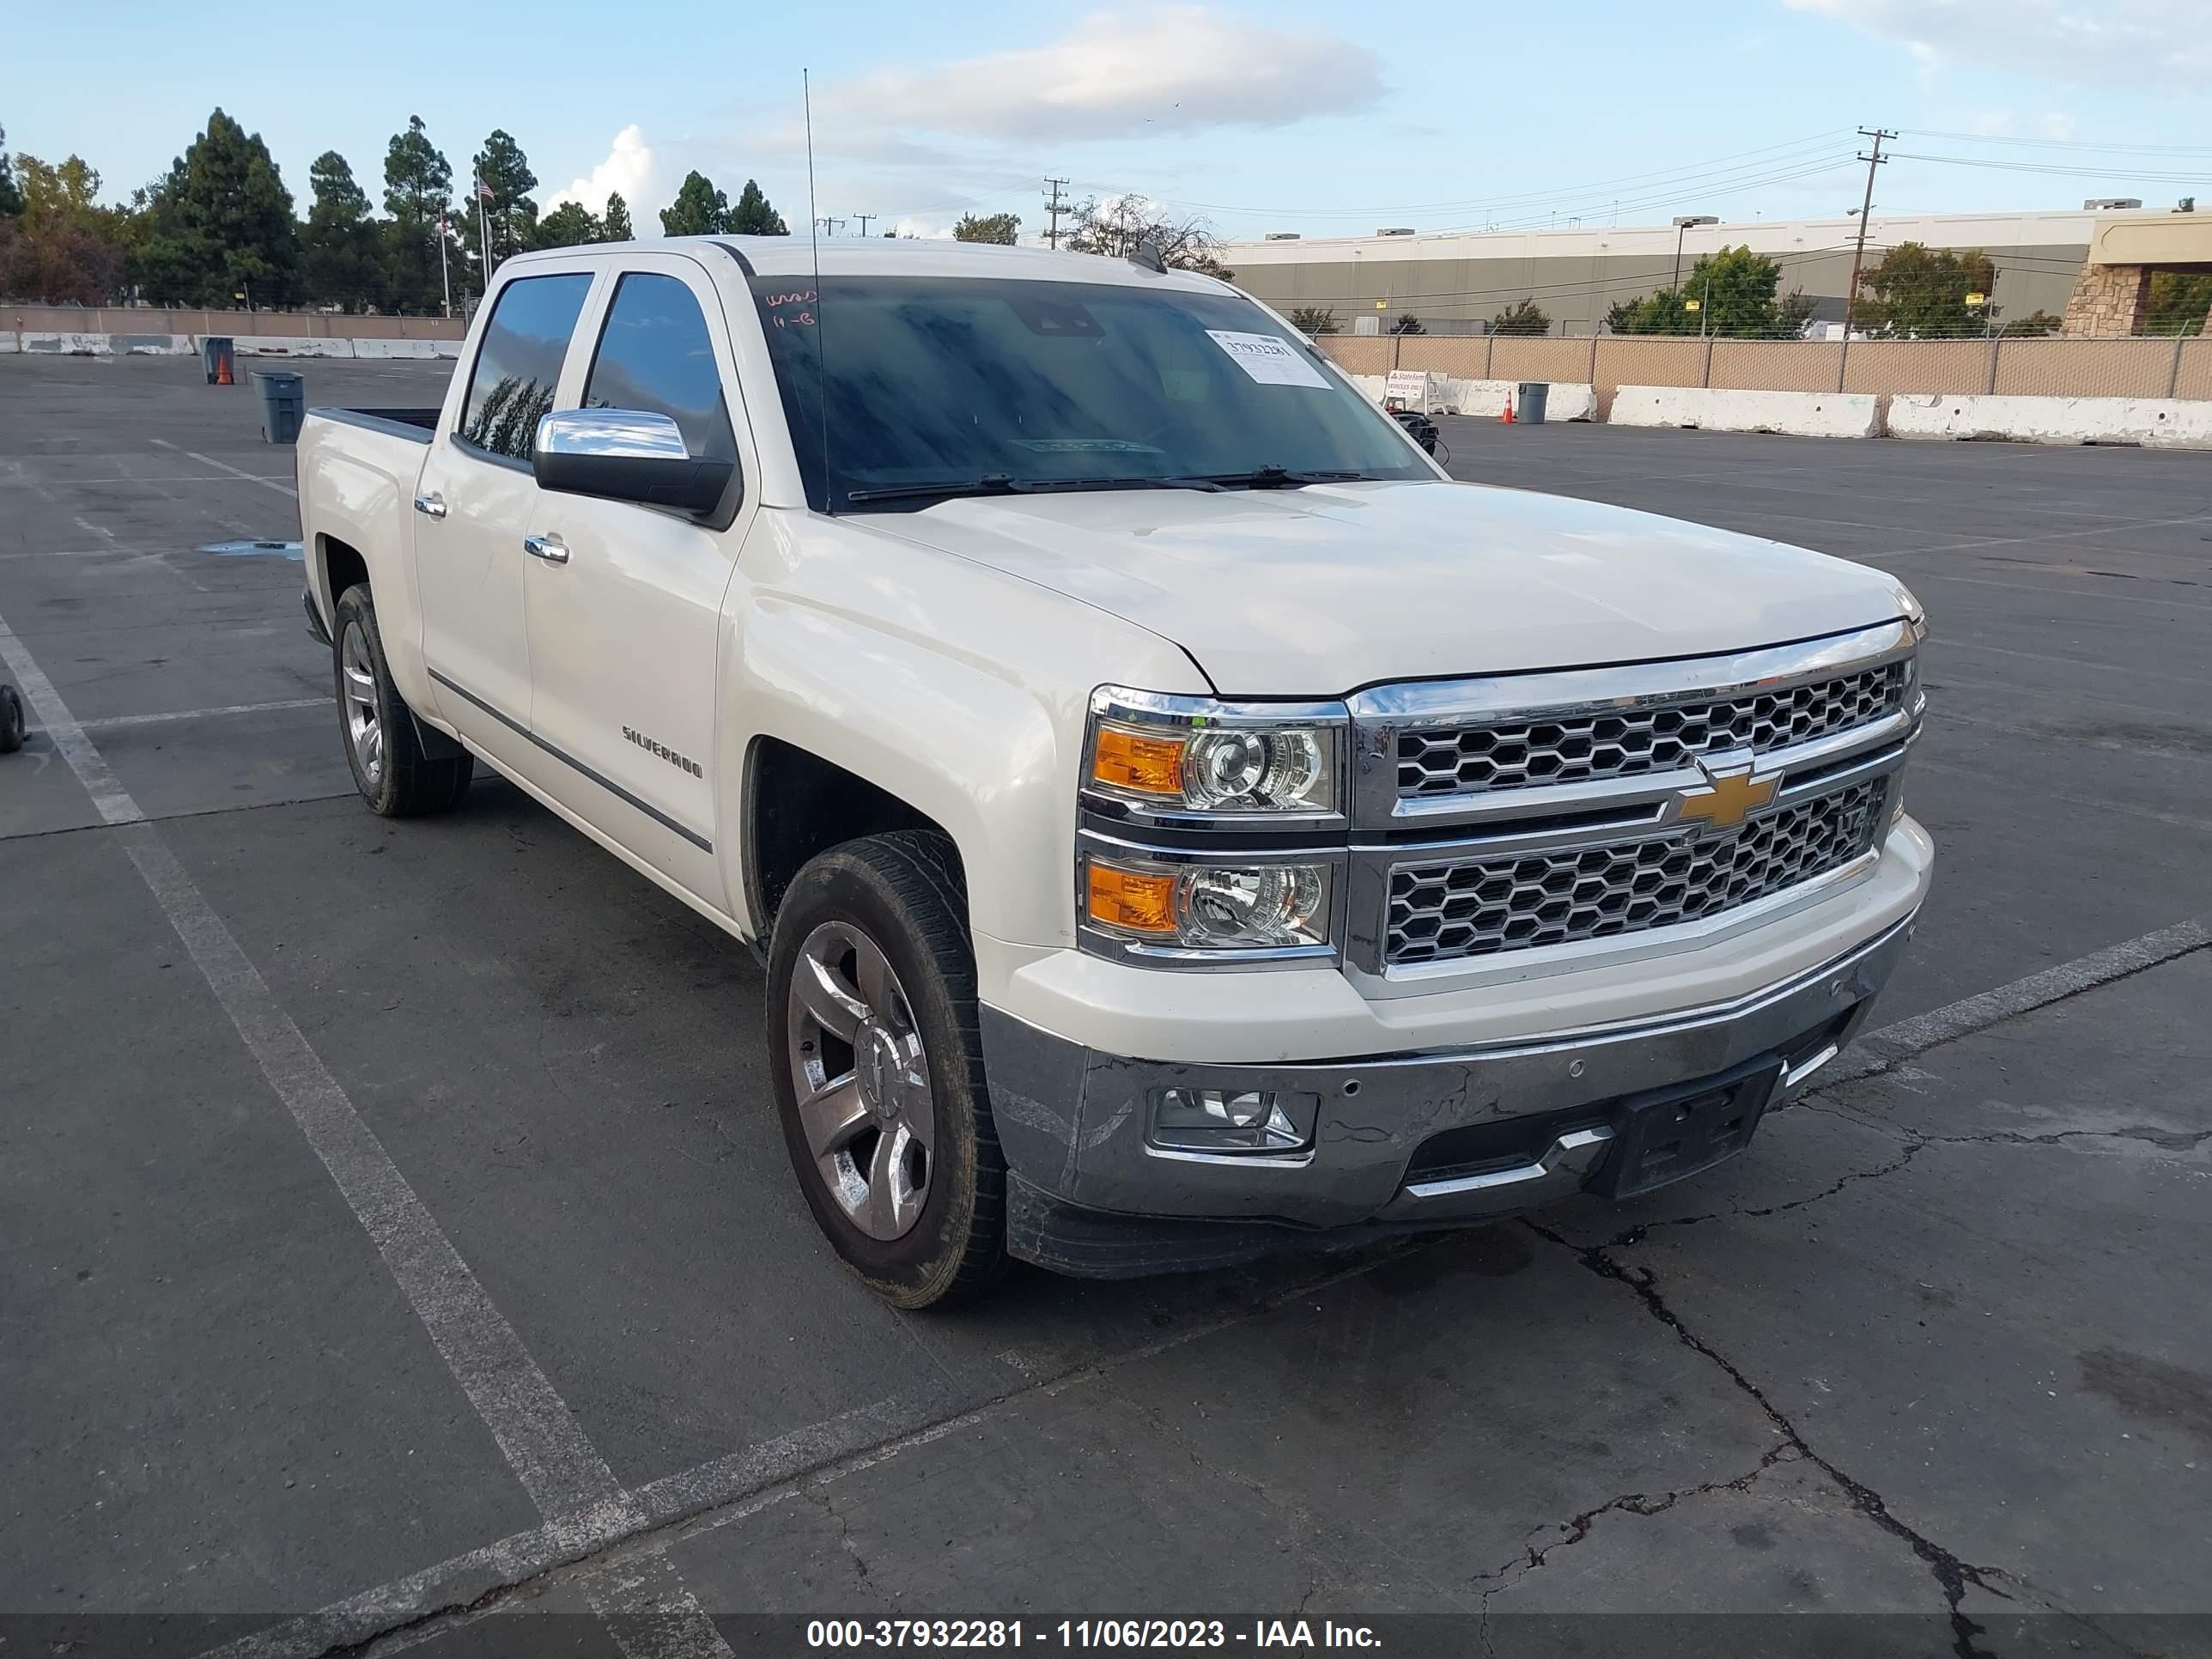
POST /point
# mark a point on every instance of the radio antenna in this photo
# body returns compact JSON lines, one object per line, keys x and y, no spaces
{"x":814,"y":237}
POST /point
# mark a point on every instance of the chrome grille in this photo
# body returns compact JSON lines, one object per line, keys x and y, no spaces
{"x":1453,"y":909}
{"x":1524,"y":750}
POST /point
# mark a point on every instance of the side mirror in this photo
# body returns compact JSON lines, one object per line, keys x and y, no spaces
{"x":625,"y":455}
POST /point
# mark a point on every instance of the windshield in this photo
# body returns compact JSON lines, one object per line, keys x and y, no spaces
{"x":987,"y":385}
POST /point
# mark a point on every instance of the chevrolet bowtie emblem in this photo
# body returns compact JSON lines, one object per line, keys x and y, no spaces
{"x":1729,"y":799}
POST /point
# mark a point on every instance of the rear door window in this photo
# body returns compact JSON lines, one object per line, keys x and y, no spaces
{"x":656,"y":354}
{"x":518,"y":367}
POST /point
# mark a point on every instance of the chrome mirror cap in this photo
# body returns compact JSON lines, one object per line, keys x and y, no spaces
{"x":627,"y":434}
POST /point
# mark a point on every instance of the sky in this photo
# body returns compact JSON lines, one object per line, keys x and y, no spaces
{"x":1316,"y":119}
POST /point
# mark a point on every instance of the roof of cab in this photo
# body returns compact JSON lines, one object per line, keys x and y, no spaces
{"x":851,"y":256}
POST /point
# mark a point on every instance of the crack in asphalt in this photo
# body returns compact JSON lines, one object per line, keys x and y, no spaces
{"x":1954,"y":1576}
{"x":817,"y":1493}
{"x":1577,"y":1527}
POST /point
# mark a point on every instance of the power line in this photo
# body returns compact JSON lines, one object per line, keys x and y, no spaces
{"x":1583,"y":191}
{"x":2054,"y":170}
{"x":2060,"y":143}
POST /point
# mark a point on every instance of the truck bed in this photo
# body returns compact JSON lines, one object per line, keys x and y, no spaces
{"x":415,"y":425}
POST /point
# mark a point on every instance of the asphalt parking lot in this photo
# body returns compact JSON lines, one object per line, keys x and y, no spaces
{"x":1938,"y":1348}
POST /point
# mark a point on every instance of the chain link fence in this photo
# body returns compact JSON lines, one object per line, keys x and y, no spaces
{"x":2170,"y":366}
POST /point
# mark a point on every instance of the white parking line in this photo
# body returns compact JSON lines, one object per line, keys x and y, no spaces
{"x":281,"y":488}
{"x":113,"y":720}
{"x":566,"y":1477}
{"x":1876,"y":1051}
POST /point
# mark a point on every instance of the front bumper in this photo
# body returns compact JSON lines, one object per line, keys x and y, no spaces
{"x":1402,"y":1140}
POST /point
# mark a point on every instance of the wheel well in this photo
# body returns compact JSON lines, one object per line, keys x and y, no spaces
{"x":799,"y":804}
{"x":342,"y":567}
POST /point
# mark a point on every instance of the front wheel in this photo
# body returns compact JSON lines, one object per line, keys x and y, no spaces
{"x":877,"y":1054}
{"x":11,"y":719}
{"x":383,"y":747}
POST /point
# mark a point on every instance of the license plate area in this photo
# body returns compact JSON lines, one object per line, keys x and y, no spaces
{"x":1665,"y":1135}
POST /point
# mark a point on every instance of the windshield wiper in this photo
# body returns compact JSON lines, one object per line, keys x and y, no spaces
{"x":1004,"y":483}
{"x":1272,"y":477}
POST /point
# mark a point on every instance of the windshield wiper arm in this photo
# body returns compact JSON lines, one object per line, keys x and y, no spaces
{"x":1273,"y":477}
{"x":1002,"y":483}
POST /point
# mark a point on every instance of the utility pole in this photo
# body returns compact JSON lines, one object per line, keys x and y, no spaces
{"x":1866,"y":212}
{"x":1055,"y":207}
{"x":864,"y":218}
{"x":829,"y":225}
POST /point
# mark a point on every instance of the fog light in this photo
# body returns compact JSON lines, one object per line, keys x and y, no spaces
{"x":1233,"y":1119}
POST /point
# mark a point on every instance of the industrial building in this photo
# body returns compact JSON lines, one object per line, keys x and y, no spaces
{"x":1455,"y":281}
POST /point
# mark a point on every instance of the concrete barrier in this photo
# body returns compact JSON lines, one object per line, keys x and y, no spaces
{"x":1568,"y":400}
{"x":1800,"y":414}
{"x":2152,"y":422}
{"x":153,"y":345}
{"x":389,"y":349}
{"x":65,"y":345}
{"x":290,"y":345}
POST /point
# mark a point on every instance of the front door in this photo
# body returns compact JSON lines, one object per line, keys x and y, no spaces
{"x":472,"y":502}
{"x":625,"y":629}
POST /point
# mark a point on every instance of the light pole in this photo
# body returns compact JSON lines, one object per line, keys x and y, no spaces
{"x":1682,"y":228}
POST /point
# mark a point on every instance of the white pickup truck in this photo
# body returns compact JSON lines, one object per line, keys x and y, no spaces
{"x":1179,"y":820}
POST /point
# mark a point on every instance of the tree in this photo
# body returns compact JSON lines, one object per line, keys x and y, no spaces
{"x":339,"y":246}
{"x":614,"y":225}
{"x":2034,"y":324}
{"x":59,"y":247}
{"x":568,"y":226}
{"x":1407,"y":322}
{"x":1792,"y":313}
{"x":418,"y":184}
{"x":1734,"y":290}
{"x":1920,"y":293}
{"x":222,"y":224}
{"x":753,"y":215}
{"x":1118,"y":227}
{"x":2176,"y":303}
{"x":699,"y":209}
{"x":1312,"y":320}
{"x":1000,"y":228}
{"x":11,"y":199}
{"x":502,"y":200}
{"x":1522,"y":317}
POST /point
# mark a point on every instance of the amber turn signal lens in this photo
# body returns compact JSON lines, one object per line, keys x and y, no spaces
{"x":1130,"y":760}
{"x":1136,"y":902}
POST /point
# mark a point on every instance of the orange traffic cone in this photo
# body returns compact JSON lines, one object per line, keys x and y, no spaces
{"x":222,"y":369}
{"x":1506,"y":419}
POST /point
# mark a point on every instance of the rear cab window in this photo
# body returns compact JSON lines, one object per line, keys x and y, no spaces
{"x":517,"y":366}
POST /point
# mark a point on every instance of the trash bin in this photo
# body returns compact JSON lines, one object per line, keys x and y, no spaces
{"x":1529,"y":400}
{"x":216,"y":357}
{"x":284,"y":404}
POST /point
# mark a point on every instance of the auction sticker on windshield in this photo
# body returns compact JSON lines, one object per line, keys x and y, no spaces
{"x":1269,"y":358}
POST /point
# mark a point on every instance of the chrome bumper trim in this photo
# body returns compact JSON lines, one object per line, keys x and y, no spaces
{"x":1071,"y":1122}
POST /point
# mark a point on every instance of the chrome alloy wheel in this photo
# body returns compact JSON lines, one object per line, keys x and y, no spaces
{"x":863,"y":1079}
{"x":364,"y":725}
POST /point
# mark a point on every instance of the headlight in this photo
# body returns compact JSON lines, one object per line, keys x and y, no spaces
{"x":1192,"y":755}
{"x":1209,"y":905}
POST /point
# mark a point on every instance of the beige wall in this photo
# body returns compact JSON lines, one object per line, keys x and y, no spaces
{"x":161,"y":320}
{"x":2147,"y":368}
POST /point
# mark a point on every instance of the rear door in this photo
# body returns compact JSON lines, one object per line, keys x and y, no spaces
{"x":624,"y":631}
{"x":474,"y":503}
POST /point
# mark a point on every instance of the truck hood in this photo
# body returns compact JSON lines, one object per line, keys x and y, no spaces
{"x":1326,"y":589}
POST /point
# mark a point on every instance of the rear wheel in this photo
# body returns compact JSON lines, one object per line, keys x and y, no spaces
{"x":11,"y":719}
{"x":382,"y":745}
{"x":876,"y":1053}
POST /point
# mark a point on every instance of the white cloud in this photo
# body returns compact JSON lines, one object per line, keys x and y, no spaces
{"x":2130,"y":43}
{"x":1119,"y":75}
{"x":629,"y":168}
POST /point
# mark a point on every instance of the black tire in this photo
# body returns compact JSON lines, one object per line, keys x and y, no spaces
{"x":11,"y":720}
{"x":400,"y":781}
{"x":904,"y":893}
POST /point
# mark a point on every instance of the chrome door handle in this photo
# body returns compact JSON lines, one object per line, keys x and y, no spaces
{"x":432,"y":506}
{"x":551,"y":549}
